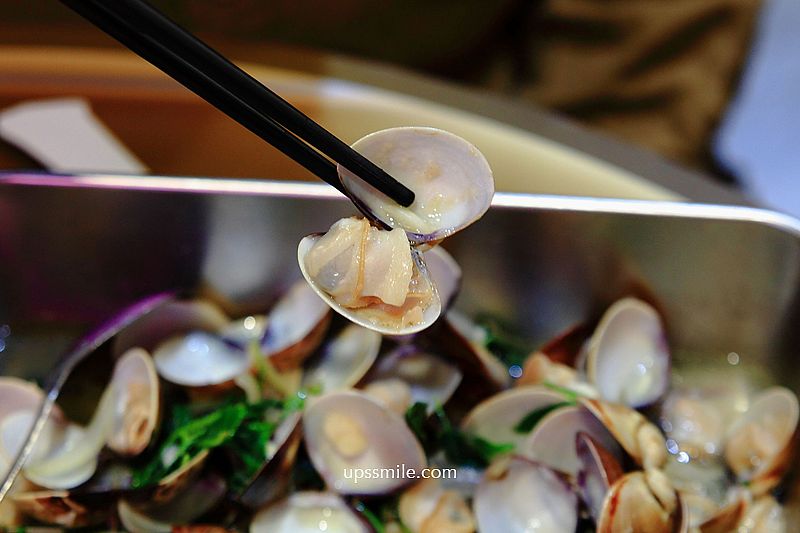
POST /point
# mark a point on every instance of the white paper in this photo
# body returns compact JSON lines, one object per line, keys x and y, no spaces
{"x":65,"y":136}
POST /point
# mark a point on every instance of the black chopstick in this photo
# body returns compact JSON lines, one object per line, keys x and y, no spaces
{"x":198,"y":67}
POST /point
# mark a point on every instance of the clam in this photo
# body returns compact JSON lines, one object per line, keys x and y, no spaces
{"x":200,"y":359}
{"x":764,"y":515}
{"x":640,"y":439}
{"x":170,"y":319}
{"x":198,"y":498}
{"x":495,"y":418}
{"x":344,"y":360}
{"x":760,"y":443}
{"x":294,"y":327}
{"x":695,"y":424}
{"x":308,"y":512}
{"x":540,"y":369}
{"x":464,"y":342}
{"x":628,"y":359}
{"x":137,"y":403}
{"x":451,"y":179}
{"x":724,"y":519}
{"x":370,"y":276}
{"x":546,"y":443}
{"x":518,"y":496}
{"x":348,"y":434}
{"x":245,"y":331}
{"x":427,"y":507}
{"x":445,"y":273}
{"x":430,"y":379}
{"x":124,"y":419}
{"x":271,"y":480}
{"x":641,"y":501}
{"x":598,"y":471}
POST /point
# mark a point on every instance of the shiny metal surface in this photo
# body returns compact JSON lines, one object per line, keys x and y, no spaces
{"x":75,"y":249}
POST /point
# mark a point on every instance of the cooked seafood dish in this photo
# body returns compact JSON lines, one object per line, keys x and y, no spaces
{"x":362,"y":400}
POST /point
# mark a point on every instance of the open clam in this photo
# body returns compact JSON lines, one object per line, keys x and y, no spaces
{"x":495,"y":418}
{"x":518,"y":496}
{"x":628,"y":359}
{"x":370,"y":276}
{"x":451,"y":179}
{"x":760,"y":443}
{"x":415,"y":376}
{"x":349,"y":433}
{"x":294,"y":327}
{"x":598,"y":471}
{"x":308,"y":512}
{"x":200,"y":359}
{"x":427,"y":507}
{"x":344,"y":360}
{"x":642,"y":501}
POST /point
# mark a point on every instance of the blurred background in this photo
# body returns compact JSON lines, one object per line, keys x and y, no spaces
{"x":690,"y":82}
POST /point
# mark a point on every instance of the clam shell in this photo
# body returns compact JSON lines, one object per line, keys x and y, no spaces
{"x":643,"y":502}
{"x":760,"y":444}
{"x":516,"y":495}
{"x":349,"y":430}
{"x":546,"y":443}
{"x":308,"y":512}
{"x":430,"y":379}
{"x":344,"y":360}
{"x":451,"y":179}
{"x":445,"y":273}
{"x":598,"y":471}
{"x":295,"y":327}
{"x":170,"y":319}
{"x":494,"y":419}
{"x":137,"y":403}
{"x":199,"y":359}
{"x":628,"y":359}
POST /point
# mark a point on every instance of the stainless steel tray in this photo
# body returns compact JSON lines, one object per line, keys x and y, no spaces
{"x":75,"y":249}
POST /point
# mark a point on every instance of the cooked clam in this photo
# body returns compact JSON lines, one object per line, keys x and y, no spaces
{"x":598,"y":471}
{"x":348,"y":433}
{"x":370,"y":276}
{"x":760,"y":443}
{"x":344,"y":360}
{"x":200,"y":359}
{"x":552,"y":440}
{"x":641,"y":501}
{"x":445,"y":273}
{"x":137,"y":403}
{"x":495,"y":418}
{"x":519,"y":496}
{"x":451,"y":179}
{"x":294,"y":327}
{"x":430,"y":379}
{"x":628,"y":359}
{"x":428,"y":507}
{"x":308,"y":512}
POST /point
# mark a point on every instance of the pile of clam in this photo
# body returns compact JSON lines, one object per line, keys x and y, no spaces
{"x":590,"y":435}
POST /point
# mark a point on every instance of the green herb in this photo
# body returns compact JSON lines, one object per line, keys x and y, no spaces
{"x":529,"y":421}
{"x":463,"y":448}
{"x":370,"y":516}
{"x":416,"y":418}
{"x":242,"y":427}
{"x":508,"y":346}
{"x":570,"y":395}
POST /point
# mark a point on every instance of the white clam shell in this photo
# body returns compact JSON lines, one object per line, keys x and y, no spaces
{"x":295,"y":326}
{"x":199,"y":359}
{"x":451,"y":179}
{"x":349,"y":430}
{"x":494,"y":419}
{"x":628,"y":359}
{"x":308,"y":512}
{"x":344,"y":360}
{"x":430,"y":379}
{"x":445,"y":273}
{"x":136,"y":402}
{"x":759,"y":444}
{"x":525,"y":497}
{"x":552,"y":441}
